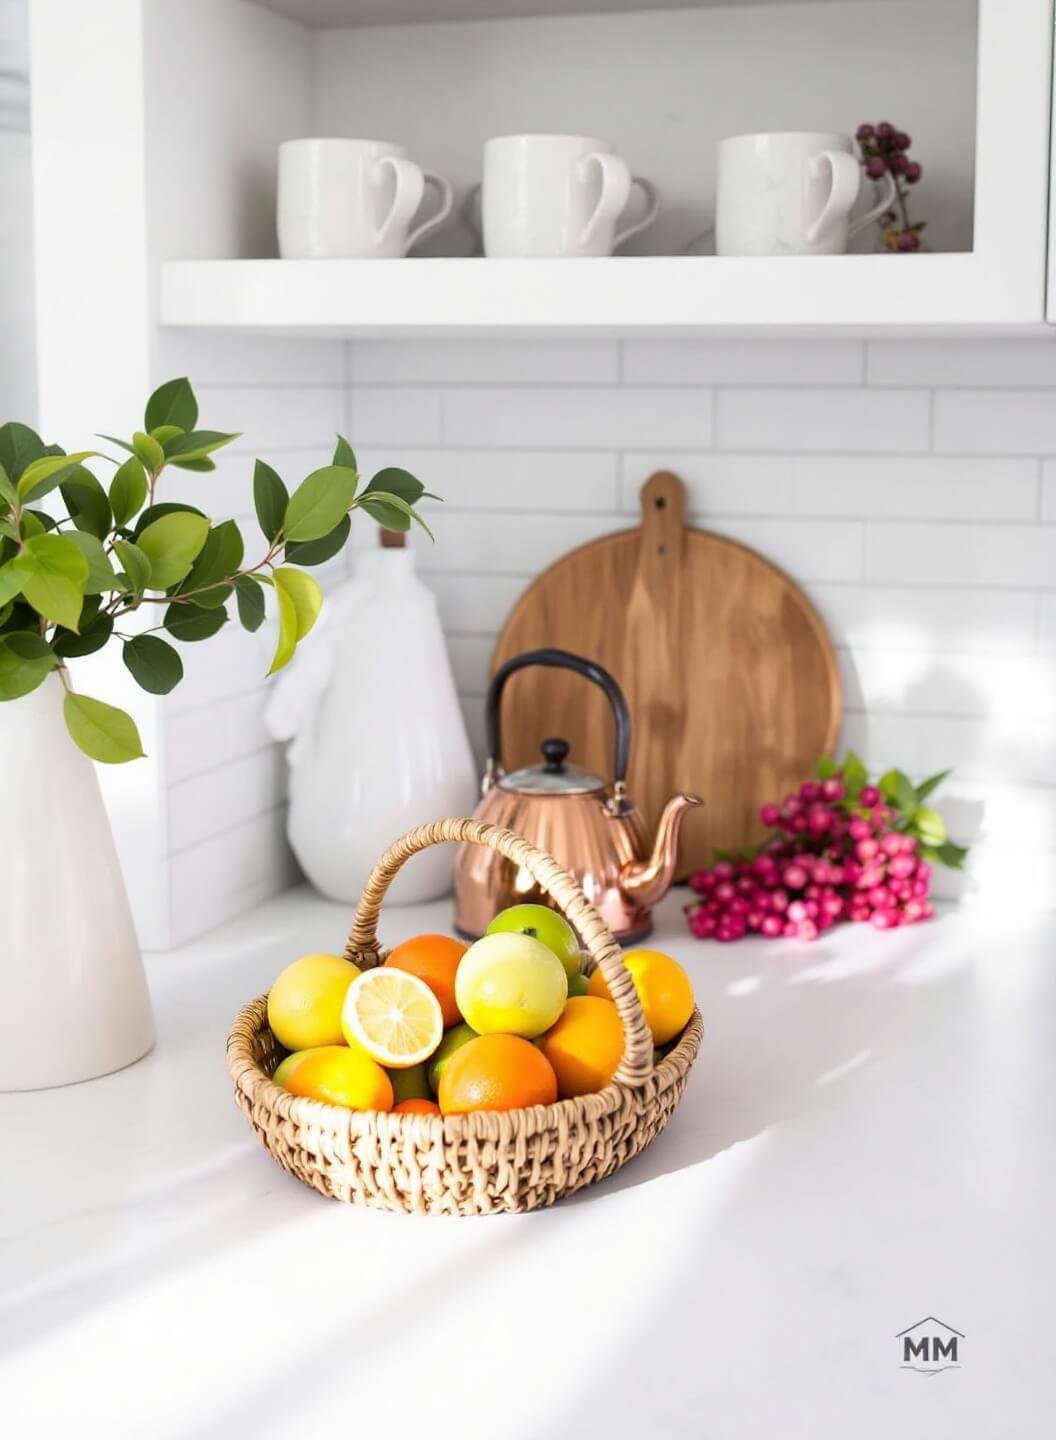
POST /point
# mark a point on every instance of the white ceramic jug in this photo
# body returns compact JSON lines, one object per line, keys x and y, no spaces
{"x":378,"y":744}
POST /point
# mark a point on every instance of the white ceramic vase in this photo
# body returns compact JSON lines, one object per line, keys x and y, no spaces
{"x":73,"y":995}
{"x":378,"y":744}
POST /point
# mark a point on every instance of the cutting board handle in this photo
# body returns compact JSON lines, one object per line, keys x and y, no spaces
{"x":663,"y":517}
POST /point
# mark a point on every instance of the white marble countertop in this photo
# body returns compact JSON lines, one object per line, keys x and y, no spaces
{"x":867,"y":1139}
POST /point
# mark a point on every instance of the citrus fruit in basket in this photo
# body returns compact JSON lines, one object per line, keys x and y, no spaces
{"x":341,"y":1075}
{"x":663,"y":988}
{"x":496,"y":1072}
{"x":416,"y":1106}
{"x":578,"y":984}
{"x":511,"y":985}
{"x":584,"y":1046}
{"x":434,"y":959}
{"x":393,"y":1016}
{"x":285,"y":1069}
{"x":544,"y":925}
{"x":304,"y":1004}
{"x":453,"y":1040}
{"x":411,"y":1083}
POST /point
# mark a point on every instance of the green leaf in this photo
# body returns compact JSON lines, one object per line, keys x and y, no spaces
{"x":7,"y":490}
{"x":318,"y":503}
{"x":188,"y":622}
{"x":87,"y":503}
{"x":32,"y":524}
{"x":932,"y":783}
{"x":172,"y":404}
{"x":161,"y":433}
{"x":172,"y":545}
{"x":249,"y":597}
{"x":49,"y":471}
{"x":204,"y":464}
{"x":287,"y":642}
{"x":102,"y":731}
{"x":25,"y":660}
{"x":19,"y":447}
{"x":393,"y":513}
{"x":220,"y":557}
{"x":164,"y":507}
{"x":855,"y":775}
{"x":270,"y":498}
{"x":101,"y":575}
{"x":897,"y":789}
{"x":826,"y":767}
{"x":394,"y":481}
{"x":344,"y":455}
{"x":929,"y":825}
{"x":113,"y":439}
{"x":54,"y":573}
{"x":153,"y":663}
{"x":95,"y":631}
{"x":951,"y":855}
{"x":11,"y":581}
{"x":43,"y":519}
{"x":128,"y":490}
{"x":317,"y":552}
{"x":184,"y":450}
{"x":304,"y":592}
{"x":215,"y":595}
{"x":149,"y":451}
{"x":136,"y":565}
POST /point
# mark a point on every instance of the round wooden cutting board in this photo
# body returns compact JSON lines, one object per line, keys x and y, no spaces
{"x":730,"y":675}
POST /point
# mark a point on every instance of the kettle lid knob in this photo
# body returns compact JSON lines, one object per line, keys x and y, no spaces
{"x":555,"y":752}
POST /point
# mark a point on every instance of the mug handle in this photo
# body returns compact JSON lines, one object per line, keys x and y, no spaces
{"x":846,"y":182}
{"x":472,"y":216}
{"x":887,"y":184}
{"x":652,"y":200}
{"x":447,"y":200}
{"x":410,"y":186}
{"x":615,"y":191}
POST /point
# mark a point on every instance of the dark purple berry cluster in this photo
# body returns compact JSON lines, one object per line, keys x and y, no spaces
{"x":885,"y":151}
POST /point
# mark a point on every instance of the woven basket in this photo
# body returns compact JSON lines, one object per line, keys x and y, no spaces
{"x":487,"y":1161}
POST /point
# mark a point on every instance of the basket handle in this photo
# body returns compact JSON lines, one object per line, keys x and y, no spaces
{"x":636,"y":1063}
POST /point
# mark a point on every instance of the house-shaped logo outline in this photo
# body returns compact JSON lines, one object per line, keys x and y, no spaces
{"x":930,"y":1369}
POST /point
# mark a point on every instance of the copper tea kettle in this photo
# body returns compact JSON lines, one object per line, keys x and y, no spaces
{"x":587,"y":824}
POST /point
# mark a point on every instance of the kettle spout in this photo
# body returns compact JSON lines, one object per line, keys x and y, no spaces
{"x":647,"y":881}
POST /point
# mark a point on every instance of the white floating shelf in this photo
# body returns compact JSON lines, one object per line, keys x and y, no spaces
{"x":331,"y":14}
{"x":677,"y":294}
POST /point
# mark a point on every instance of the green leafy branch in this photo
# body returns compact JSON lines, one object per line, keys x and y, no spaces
{"x":910,"y":815}
{"x":67,"y":583}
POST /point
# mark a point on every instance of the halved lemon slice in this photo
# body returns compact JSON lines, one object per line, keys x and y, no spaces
{"x":393,"y":1016}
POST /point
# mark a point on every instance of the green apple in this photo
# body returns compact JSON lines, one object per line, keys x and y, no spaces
{"x":410,"y":1084}
{"x":578,"y":984}
{"x":545,"y":925}
{"x":453,"y":1040}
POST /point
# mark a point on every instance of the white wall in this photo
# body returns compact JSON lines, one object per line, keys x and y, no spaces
{"x":665,"y":88}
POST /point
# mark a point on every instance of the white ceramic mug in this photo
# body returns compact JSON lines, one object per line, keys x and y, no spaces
{"x":557,"y":195}
{"x":790,"y":194}
{"x":342,"y":199}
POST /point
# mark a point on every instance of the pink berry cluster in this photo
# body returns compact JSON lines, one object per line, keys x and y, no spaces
{"x":885,"y":151}
{"x":829,"y":861}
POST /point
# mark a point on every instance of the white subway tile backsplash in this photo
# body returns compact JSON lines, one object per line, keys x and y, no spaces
{"x":997,"y":364}
{"x":474,"y":604}
{"x":231,"y":663}
{"x":484,"y":362}
{"x":1047,"y":625}
{"x":587,"y":419}
{"x":394,"y":417}
{"x":932,"y":620}
{"x":221,"y":359}
{"x":995,"y":422}
{"x":976,"y":749}
{"x":743,"y":362}
{"x":888,"y":421}
{"x":1002,"y":688}
{"x":546,"y":481}
{"x":830,"y":486}
{"x":954,"y":554}
{"x":214,"y":735}
{"x":806,"y":549}
{"x":1048,"y":490}
{"x":267,"y":416}
{"x":229,"y":873}
{"x":470,"y":656}
{"x":209,"y":804}
{"x":500,"y":544}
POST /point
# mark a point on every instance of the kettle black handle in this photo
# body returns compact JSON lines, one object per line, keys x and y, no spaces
{"x":562,"y":660}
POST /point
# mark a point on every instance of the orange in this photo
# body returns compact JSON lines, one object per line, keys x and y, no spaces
{"x":434,"y":959}
{"x":496,"y":1072}
{"x":584,"y":1046}
{"x":339,"y":1075}
{"x":663,"y":988}
{"x":416,"y":1107}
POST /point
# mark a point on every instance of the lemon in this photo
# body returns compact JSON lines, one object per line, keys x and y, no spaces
{"x":394,"y":1016}
{"x":453,"y":1040}
{"x":339,"y":1075}
{"x":304,"y":1004}
{"x":510,"y":984}
{"x":284,"y":1070}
